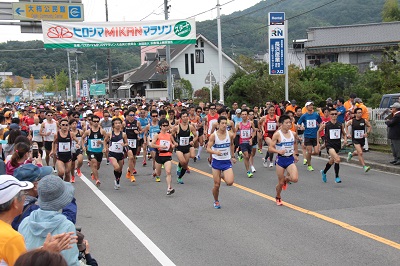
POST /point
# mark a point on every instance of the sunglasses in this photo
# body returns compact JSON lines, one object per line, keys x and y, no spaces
{"x":154,"y":116}
{"x":334,"y":114}
{"x":76,"y":116}
{"x":212,"y":108}
{"x":96,"y":121}
{"x":165,"y":125}
{"x":131,"y":115}
{"x":64,"y":125}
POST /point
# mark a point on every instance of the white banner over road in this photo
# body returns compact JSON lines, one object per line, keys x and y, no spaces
{"x":118,"y":34}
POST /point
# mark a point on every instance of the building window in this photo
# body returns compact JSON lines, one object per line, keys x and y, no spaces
{"x":186,"y":64}
{"x":201,"y":43}
{"x":199,"y":55}
{"x":192,"y":62}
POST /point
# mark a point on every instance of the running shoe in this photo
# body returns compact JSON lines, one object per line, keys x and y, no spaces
{"x":349,"y":156}
{"x":132,"y":178}
{"x":154,"y":173}
{"x":217,"y":205}
{"x":92,"y":176}
{"x":278,"y":201}
{"x":338,"y":180}
{"x":284,"y":187}
{"x":265,"y":162}
{"x":72,"y":179}
{"x":162,"y":166}
{"x":310,"y":168}
{"x":108,"y":162}
{"x":366,"y":168}
{"x":98,"y":183}
{"x":134,"y":172}
{"x":158,"y":179}
{"x":260,"y":151}
{"x":178,"y":170}
{"x":253,"y":169}
{"x":170,"y":191}
{"x":116,"y":186}
{"x":304,"y":161}
{"x":209,"y":162}
{"x":54,"y":170}
{"x":240,"y":157}
{"x":198,"y":157}
{"x":271,"y":164}
{"x":249,"y":174}
{"x":323,"y":176}
{"x":179,"y":181}
{"x":188,"y":170}
{"x":144,"y":163}
{"x":195,"y":159}
{"x":128,"y":174}
{"x":78,"y":171}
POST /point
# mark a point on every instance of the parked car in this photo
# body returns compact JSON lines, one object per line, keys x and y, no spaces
{"x":389,"y":99}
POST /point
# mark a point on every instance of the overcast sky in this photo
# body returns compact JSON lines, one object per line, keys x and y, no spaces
{"x":135,"y":10}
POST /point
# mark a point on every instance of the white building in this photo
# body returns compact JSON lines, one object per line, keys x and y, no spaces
{"x":192,"y":62}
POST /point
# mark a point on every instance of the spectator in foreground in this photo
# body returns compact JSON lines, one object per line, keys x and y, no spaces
{"x":41,"y":257}
{"x":394,"y":132}
{"x":54,"y":195}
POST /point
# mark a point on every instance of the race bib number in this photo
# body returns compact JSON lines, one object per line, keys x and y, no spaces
{"x":95,"y":143}
{"x":36,"y":133}
{"x":334,"y":133}
{"x":184,"y":141}
{"x":51,"y":131}
{"x":224,"y":153}
{"x":107,"y":129}
{"x":132,"y":143}
{"x":116,"y":147}
{"x":288,"y":150}
{"x":359,"y":134}
{"x":271,"y":126}
{"x":245,"y":134}
{"x":165,"y":143}
{"x":311,"y":123}
{"x":64,"y":147}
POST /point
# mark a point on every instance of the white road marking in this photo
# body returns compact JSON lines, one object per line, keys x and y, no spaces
{"x":157,"y":253}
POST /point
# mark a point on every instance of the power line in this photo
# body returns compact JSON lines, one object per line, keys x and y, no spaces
{"x":201,"y":13}
{"x":266,"y":26}
{"x":152,"y":12}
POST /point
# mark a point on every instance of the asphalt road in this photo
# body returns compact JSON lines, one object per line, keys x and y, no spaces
{"x":353,"y":223}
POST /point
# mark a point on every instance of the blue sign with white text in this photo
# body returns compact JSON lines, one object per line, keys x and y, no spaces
{"x":276,"y":18}
{"x":277,"y":56}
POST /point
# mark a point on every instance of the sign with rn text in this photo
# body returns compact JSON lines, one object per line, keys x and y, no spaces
{"x":118,"y":34}
{"x":276,"y":44}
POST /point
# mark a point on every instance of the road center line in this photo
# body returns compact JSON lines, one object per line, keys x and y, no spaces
{"x":309,"y":212}
{"x":157,"y":253}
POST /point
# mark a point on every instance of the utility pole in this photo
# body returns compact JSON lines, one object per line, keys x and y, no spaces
{"x":108,"y":60}
{"x":168,"y":57}
{"x":221,"y":82}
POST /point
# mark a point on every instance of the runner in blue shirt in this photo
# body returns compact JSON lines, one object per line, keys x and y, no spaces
{"x":311,"y":121}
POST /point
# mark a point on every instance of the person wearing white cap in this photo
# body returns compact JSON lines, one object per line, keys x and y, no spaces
{"x":12,"y":197}
{"x":311,"y":121}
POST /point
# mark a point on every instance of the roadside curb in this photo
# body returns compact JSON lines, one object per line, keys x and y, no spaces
{"x":393,"y":169}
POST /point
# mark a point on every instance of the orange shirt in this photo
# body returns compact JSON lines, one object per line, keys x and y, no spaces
{"x":348,"y":105}
{"x":291,"y":108}
{"x":99,"y":114}
{"x":164,"y":139}
{"x":364,"y":109}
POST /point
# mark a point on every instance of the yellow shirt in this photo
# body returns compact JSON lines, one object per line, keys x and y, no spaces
{"x":12,"y":244}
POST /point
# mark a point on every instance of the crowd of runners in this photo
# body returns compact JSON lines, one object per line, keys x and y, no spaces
{"x":118,"y":130}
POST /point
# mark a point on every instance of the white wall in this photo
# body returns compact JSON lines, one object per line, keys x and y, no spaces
{"x":201,"y":70}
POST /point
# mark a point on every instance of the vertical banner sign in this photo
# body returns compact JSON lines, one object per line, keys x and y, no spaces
{"x":276,"y":45}
{"x":77,"y":88}
{"x":85,"y":88}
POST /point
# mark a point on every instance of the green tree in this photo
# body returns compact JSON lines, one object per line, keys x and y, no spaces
{"x":202,"y":95}
{"x":8,"y":83}
{"x":19,"y":83}
{"x":4,"y":90}
{"x":391,"y":11}
{"x":62,"y":81}
{"x":183,"y":89}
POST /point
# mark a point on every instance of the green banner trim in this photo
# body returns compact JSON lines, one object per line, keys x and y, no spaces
{"x":116,"y":44}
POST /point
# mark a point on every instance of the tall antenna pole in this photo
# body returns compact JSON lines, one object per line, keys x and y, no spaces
{"x":221,"y":82}
{"x":168,"y":57}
